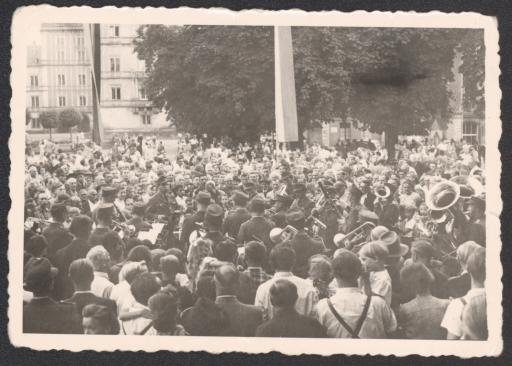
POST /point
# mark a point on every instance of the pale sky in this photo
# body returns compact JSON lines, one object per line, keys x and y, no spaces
{"x":33,"y":33}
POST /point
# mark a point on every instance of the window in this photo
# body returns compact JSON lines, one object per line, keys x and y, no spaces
{"x":82,"y":101}
{"x":116,"y":93}
{"x":81,"y":79}
{"x":34,"y":81}
{"x":142,"y":93}
{"x":79,"y":42}
{"x":61,"y":80}
{"x":35,"y":101}
{"x":114,"y":31}
{"x":60,"y":55}
{"x":81,"y":55}
{"x":62,"y":101}
{"x":115,"y":65}
{"x":470,"y":132}
{"x":35,"y":123}
{"x":146,"y":119}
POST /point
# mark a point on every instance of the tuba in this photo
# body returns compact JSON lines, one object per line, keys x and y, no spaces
{"x":470,"y":186}
{"x":441,"y":199}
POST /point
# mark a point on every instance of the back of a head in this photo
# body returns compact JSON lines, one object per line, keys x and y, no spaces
{"x":163,"y":309}
{"x":58,"y":212}
{"x":81,"y":226}
{"x":465,"y":250}
{"x":226,"y":279}
{"x":81,"y":272}
{"x":99,"y":258}
{"x":320,"y":267}
{"x":476,"y":264}
{"x":417,"y":278}
{"x":156,"y":255}
{"x":283,"y":294}
{"x":255,"y":253}
{"x":104,"y":316}
{"x":170,"y":265}
{"x":143,"y":287}
{"x":130,"y":271}
{"x":112,"y":243}
{"x":36,"y":245}
{"x":140,"y":253}
{"x":347,"y":266}
{"x":282,"y":257}
{"x":226,"y":251}
{"x":474,"y":318}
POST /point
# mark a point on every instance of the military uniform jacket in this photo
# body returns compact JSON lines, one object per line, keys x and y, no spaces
{"x":256,"y":228}
{"x":234,"y":220}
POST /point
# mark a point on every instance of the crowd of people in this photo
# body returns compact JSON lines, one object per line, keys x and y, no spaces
{"x":255,"y":239}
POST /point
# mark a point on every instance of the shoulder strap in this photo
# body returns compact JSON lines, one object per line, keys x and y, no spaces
{"x":341,"y":320}
{"x":364,"y":314}
{"x":146,"y":328}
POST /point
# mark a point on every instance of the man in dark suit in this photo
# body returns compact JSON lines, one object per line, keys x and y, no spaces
{"x":42,"y":314}
{"x":81,"y":228}
{"x":238,"y":216}
{"x":56,"y":235}
{"x":81,"y":274}
{"x":243,"y":319}
{"x":302,"y":243}
{"x":104,"y":213}
{"x":257,"y":227}
{"x":190,"y":222}
{"x":287,"y":322}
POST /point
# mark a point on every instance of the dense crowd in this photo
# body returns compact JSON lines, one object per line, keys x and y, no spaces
{"x":255,"y":239}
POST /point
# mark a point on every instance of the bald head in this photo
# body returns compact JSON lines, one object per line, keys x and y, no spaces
{"x":226,"y":280}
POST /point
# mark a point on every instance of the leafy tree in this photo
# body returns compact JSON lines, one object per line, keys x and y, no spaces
{"x":68,"y":119}
{"x":213,"y":79}
{"x":48,"y":120}
{"x":85,"y":123}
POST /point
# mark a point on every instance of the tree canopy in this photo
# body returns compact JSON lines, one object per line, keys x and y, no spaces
{"x":220,"y":79}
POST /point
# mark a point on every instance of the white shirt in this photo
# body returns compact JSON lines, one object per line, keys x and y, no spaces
{"x":380,"y":283}
{"x":307,"y":296}
{"x":122,"y":295}
{"x":452,"y":320}
{"x":101,"y":285}
{"x":349,"y":303}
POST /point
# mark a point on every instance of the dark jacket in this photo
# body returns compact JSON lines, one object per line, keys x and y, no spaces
{"x":57,"y":238}
{"x":82,"y":299}
{"x":289,"y":323}
{"x":256,"y":228}
{"x":205,"y":318}
{"x":77,"y":249}
{"x":96,"y":236}
{"x":189,"y":225}
{"x":243,"y":319}
{"x":44,"y":315}
{"x":234,"y":220}
{"x":304,"y":247}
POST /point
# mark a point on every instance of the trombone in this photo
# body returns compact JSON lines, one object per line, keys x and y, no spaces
{"x":352,"y":240}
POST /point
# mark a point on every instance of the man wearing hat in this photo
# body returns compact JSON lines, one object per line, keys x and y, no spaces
{"x":137,"y":219}
{"x":203,"y":199}
{"x":104,"y":213}
{"x":108,"y":196}
{"x":159,"y":204}
{"x":42,"y":314}
{"x":257,"y":227}
{"x":475,"y":230}
{"x":238,"y":215}
{"x":303,"y":245}
{"x":56,"y":234}
{"x":213,"y":224}
{"x":302,"y":202}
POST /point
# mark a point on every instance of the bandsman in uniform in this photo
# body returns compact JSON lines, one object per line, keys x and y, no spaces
{"x":238,"y":215}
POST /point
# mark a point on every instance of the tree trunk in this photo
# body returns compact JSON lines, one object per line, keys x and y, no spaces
{"x":391,"y":138}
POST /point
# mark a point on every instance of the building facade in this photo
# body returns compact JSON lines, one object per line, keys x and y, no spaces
{"x":58,"y":72}
{"x":124,"y":101}
{"x":59,"y":77}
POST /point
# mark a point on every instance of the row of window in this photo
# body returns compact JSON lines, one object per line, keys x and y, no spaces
{"x":145,"y":119}
{"x":116,"y":93}
{"x":61,"y":80}
{"x":82,"y":101}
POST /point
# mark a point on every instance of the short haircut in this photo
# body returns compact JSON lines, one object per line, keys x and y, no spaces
{"x":58,"y":211}
{"x":206,"y":285}
{"x":417,"y":277}
{"x":283,"y":293}
{"x":255,"y":252}
{"x":99,"y":257}
{"x":282,"y":257}
{"x":140,"y":253}
{"x":81,"y":226}
{"x":476,"y":264}
{"x":227,"y":276}
{"x":112,"y":242}
{"x":465,"y":250}
{"x":164,"y":309}
{"x":226,"y":251}
{"x":131,"y":270}
{"x":102,"y":314}
{"x":143,"y":287}
{"x":36,"y":245}
{"x":81,"y":271}
{"x":170,"y":264}
{"x":347,"y":266}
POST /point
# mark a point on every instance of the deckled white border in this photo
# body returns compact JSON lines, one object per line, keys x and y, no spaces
{"x":41,"y":14}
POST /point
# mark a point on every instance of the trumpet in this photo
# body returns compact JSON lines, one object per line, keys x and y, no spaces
{"x":352,"y":239}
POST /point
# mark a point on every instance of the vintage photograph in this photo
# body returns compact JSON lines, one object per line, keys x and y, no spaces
{"x":261,"y":180}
